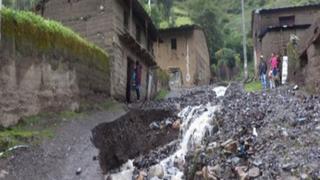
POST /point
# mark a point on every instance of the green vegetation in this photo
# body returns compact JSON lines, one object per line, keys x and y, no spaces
{"x":163,"y":78}
{"x":253,"y":86}
{"x":30,"y":31}
{"x":161,"y":94}
{"x":24,"y":133}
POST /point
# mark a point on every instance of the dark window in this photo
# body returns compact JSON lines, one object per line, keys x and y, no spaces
{"x":287,"y":20}
{"x":173,"y":43}
{"x":126,"y":19}
{"x":138,"y":34}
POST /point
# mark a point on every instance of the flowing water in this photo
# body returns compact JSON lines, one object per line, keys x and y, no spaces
{"x":196,"y":123}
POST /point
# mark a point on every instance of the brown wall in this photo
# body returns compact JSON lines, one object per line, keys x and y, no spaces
{"x":102,"y":22}
{"x":199,"y":62}
{"x":277,"y":42}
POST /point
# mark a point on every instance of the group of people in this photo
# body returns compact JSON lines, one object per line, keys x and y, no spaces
{"x":270,"y":71}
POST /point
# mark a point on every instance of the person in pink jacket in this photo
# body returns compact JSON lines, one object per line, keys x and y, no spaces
{"x":273,"y":69}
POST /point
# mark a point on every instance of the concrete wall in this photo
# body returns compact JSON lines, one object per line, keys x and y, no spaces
{"x":33,"y":83}
{"x":198,"y":66}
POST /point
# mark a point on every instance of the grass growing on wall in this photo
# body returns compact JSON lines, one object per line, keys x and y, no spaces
{"x":50,"y":36}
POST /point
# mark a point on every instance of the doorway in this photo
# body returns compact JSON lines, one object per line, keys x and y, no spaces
{"x":129,"y":79}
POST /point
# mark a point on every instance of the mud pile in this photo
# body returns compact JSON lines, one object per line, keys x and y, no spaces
{"x":132,"y":135}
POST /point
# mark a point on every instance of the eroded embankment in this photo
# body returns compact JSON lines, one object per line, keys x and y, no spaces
{"x":131,"y":135}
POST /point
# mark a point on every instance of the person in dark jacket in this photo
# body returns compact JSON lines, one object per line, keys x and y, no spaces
{"x":263,"y":72}
{"x":137,"y":79}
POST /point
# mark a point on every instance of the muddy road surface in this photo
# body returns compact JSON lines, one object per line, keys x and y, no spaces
{"x":59,"y":158}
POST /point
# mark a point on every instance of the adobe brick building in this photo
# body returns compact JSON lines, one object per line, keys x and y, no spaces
{"x":183,"y":52}
{"x":121,"y":27}
{"x":272,"y":28}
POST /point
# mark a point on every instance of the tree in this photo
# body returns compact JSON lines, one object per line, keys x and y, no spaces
{"x":228,"y":63}
{"x":205,"y":14}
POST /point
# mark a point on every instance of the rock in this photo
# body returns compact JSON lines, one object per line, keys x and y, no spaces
{"x":289,"y":166}
{"x":3,"y":174}
{"x":176,"y":124}
{"x":141,"y":175}
{"x":168,"y":123}
{"x":217,"y":170}
{"x":257,"y":162}
{"x":208,"y":174}
{"x":301,"y":120}
{"x":241,"y":172}
{"x":78,"y":171}
{"x":156,"y":171}
{"x":304,"y":176}
{"x":230,"y":146}
{"x":235,"y":160}
{"x":254,"y":172}
{"x":154,"y":126}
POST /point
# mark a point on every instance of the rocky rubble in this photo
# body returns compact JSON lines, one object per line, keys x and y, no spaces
{"x":264,"y":135}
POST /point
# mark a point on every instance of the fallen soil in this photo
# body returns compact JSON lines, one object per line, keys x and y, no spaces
{"x":134,"y":134}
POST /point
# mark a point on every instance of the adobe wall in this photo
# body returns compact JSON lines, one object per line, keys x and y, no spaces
{"x":90,"y":18}
{"x":32,"y":83}
{"x":201,"y":57}
{"x":276,"y":42}
{"x":199,"y":60}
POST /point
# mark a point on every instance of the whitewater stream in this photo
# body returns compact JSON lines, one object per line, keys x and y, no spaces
{"x":196,"y":123}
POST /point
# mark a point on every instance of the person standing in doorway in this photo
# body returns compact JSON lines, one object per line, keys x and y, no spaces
{"x":137,"y":80}
{"x":263,"y":72}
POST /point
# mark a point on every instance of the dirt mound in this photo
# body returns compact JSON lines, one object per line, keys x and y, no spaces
{"x":133,"y":134}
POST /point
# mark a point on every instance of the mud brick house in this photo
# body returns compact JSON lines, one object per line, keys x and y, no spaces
{"x":272,"y":28}
{"x":122,"y":28}
{"x":183,"y":52}
{"x":308,"y":65}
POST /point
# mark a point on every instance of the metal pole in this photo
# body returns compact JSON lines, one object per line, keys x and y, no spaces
{"x":245,"y":58}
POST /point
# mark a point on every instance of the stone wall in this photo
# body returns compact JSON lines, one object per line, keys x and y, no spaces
{"x":32,"y":83}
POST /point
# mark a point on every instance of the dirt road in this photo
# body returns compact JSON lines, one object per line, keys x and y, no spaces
{"x":60,"y":157}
